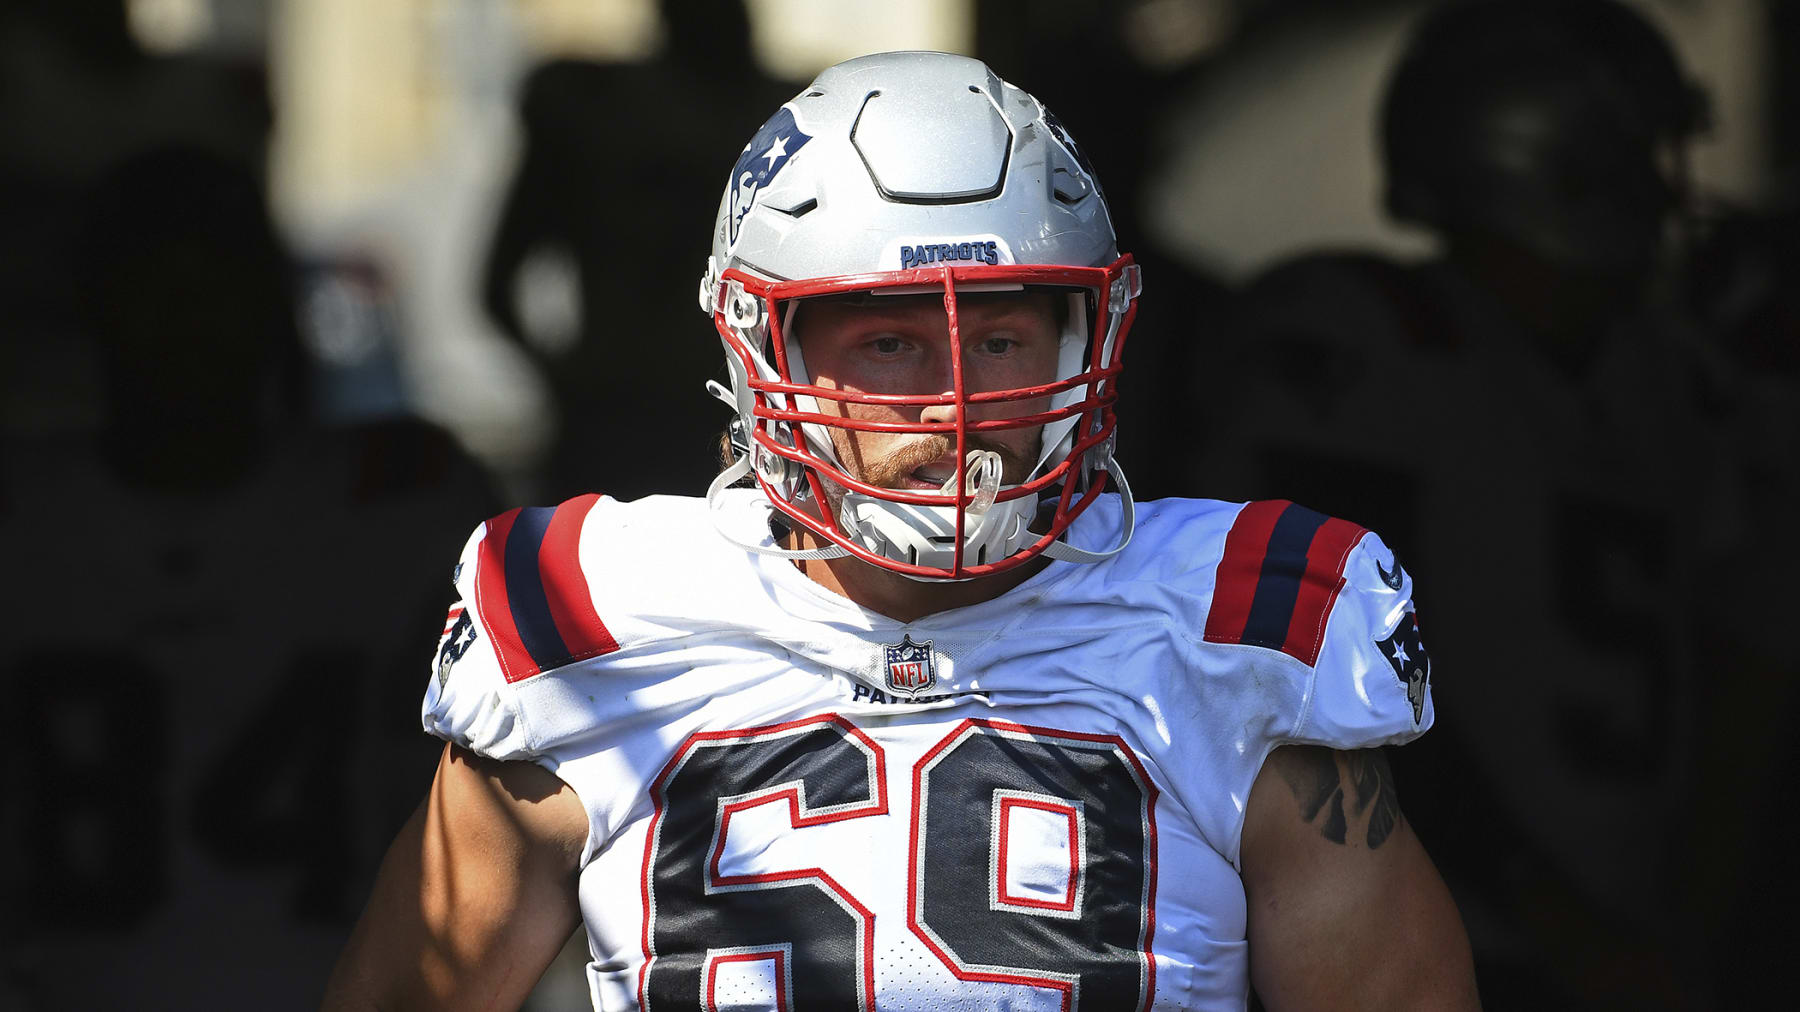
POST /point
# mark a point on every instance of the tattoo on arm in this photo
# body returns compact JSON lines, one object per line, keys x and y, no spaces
{"x":1351,"y":789}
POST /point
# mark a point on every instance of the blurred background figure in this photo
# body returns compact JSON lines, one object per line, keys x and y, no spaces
{"x":221,"y":600}
{"x":602,"y":238}
{"x":219,"y":634}
{"x":1148,"y":55}
{"x":1541,"y":424}
{"x":290,"y":285}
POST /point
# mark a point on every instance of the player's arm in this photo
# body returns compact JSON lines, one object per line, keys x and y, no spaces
{"x":474,"y":898}
{"x":1346,"y":910}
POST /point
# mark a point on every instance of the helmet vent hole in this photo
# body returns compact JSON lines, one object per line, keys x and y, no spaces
{"x":815,"y":94}
{"x":975,"y":89}
{"x":801,"y":209}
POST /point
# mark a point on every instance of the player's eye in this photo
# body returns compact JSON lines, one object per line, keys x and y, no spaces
{"x":887,"y":344}
{"x":997,"y":345}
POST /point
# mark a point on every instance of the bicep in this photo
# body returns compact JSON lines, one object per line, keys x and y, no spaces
{"x":1346,"y":909}
{"x":475,"y":896}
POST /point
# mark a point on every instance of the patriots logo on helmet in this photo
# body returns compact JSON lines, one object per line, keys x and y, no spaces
{"x":771,"y":149}
{"x":1063,"y":137}
{"x":911,"y":668}
{"x":1412,"y":665}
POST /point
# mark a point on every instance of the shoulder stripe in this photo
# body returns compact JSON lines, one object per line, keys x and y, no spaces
{"x":1280,"y":573}
{"x":1319,"y":589}
{"x":1278,"y":585}
{"x":571,"y":600}
{"x":525,"y":587}
{"x":532,"y":594}
{"x":1240,"y":567}
{"x":491,"y":601}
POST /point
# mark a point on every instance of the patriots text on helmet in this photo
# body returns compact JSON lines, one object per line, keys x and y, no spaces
{"x":943,"y":252}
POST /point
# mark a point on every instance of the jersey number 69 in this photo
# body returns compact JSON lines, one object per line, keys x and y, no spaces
{"x":1091,"y":942}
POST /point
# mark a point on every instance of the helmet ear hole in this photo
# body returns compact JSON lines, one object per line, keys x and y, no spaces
{"x":743,"y":311}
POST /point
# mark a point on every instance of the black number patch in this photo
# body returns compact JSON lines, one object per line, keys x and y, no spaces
{"x":818,"y":937}
{"x":1086,"y":935}
{"x":1032,"y":861}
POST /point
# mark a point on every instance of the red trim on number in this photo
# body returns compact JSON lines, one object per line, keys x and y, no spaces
{"x":912,"y":864}
{"x":1240,"y":568}
{"x":878,"y":807}
{"x":1068,"y":812}
{"x":1319,"y":586}
{"x":491,"y":602}
{"x":712,"y":975}
{"x":565,"y":585}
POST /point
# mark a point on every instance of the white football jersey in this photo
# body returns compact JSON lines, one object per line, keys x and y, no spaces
{"x":1030,"y":803}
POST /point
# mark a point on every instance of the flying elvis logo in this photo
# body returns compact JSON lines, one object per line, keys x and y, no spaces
{"x":1412,"y":665}
{"x":459,"y":635}
{"x":774,"y":145}
{"x":932,"y":253}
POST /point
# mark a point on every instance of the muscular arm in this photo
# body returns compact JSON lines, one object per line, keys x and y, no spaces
{"x":474,"y":898}
{"x":1346,"y":909}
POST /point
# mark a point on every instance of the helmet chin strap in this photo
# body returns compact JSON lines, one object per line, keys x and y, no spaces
{"x":737,"y":470}
{"x":1060,"y":549}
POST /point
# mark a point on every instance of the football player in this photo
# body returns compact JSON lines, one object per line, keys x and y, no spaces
{"x":1578,"y":477}
{"x":933,"y":715}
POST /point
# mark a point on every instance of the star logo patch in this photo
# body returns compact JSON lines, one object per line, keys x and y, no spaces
{"x":1405,"y":652}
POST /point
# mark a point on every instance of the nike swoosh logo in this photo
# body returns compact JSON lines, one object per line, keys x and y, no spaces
{"x":1391,"y":579}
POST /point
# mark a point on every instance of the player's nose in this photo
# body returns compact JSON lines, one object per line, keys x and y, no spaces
{"x":938,"y":412}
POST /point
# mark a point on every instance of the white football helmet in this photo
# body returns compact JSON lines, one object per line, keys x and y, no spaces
{"x":903,"y":173}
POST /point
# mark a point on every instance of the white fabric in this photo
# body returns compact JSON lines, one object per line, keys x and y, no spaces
{"x":715,"y":639}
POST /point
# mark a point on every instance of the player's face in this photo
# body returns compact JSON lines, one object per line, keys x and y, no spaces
{"x":901,"y":345}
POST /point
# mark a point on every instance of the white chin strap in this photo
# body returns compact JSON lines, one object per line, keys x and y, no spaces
{"x":926,"y":535}
{"x":725,"y":479}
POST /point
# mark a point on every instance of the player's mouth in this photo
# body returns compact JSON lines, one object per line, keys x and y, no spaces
{"x":932,"y":477}
{"x":937,"y":475}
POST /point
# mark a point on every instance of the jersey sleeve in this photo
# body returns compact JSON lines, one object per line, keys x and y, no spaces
{"x":523,"y":608}
{"x":1371,"y":684}
{"x":1330,"y":595}
{"x":468,"y":700}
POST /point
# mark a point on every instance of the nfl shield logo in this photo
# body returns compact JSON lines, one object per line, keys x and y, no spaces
{"x":910,"y":667}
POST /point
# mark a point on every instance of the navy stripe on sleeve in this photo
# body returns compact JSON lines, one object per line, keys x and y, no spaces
{"x":525,"y":588}
{"x":1278,"y":587}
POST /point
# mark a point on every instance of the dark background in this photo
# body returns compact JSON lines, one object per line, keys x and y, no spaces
{"x":294,"y":296}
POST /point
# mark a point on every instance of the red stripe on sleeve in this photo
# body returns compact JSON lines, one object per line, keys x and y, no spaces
{"x":1240,"y":567}
{"x":1319,"y":587}
{"x":566,"y":587}
{"x":491,"y":602}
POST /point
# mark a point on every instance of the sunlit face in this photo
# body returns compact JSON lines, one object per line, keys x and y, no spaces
{"x":901,"y":345}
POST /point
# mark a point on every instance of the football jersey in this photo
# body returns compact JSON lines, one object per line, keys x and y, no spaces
{"x":1034,"y":802}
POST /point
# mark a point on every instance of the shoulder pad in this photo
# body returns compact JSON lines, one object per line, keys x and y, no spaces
{"x":1278,"y":578}
{"x":531,"y":592}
